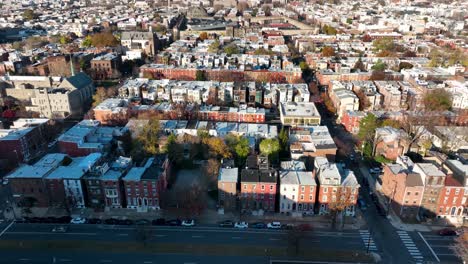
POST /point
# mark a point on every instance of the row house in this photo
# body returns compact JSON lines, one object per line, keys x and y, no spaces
{"x":337,"y":187}
{"x":258,"y":186}
{"x":297,"y":188}
{"x":105,"y":67}
{"x":434,"y":180}
{"x":390,"y":142}
{"x":314,"y":141}
{"x":369,"y":90}
{"x":243,"y":114}
{"x":24,"y":140}
{"x":343,"y":100}
{"x":143,"y":185}
{"x":351,"y":120}
{"x":227,"y":187}
{"x":392,"y":98}
{"x":87,"y":137}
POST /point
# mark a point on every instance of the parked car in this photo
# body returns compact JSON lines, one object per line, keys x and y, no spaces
{"x":226,"y":223}
{"x":125,"y":222}
{"x":94,"y":221}
{"x":374,"y":170}
{"x":142,"y":222}
{"x":258,"y":225}
{"x":78,"y":220}
{"x":174,"y":222}
{"x":448,"y":232}
{"x":308,"y":213}
{"x":159,"y":222}
{"x":241,"y":225}
{"x":5,"y":182}
{"x":274,"y":225}
{"x":59,"y":229}
{"x":188,"y":222}
{"x":111,"y":221}
{"x":287,"y":226}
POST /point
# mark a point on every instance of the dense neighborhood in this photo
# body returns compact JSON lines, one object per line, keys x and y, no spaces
{"x":313,"y":120}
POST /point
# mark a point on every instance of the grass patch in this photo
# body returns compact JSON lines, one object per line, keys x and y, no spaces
{"x":192,"y":249}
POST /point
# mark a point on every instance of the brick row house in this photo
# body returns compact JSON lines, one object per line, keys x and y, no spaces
{"x":90,"y":182}
{"x":297,"y":188}
{"x":424,"y":190}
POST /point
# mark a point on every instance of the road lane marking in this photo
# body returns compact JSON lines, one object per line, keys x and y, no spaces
{"x":148,"y":262}
{"x":274,"y":239}
{"x":122,"y":234}
{"x":24,"y":259}
{"x":197,"y":236}
{"x":65,"y":260}
{"x":105,"y":261}
{"x":49,"y":233}
{"x":160,"y":235}
{"x":235,"y":237}
{"x":6,"y":228}
{"x":427,"y":244}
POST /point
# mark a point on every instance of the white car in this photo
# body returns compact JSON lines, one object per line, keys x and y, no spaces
{"x":274,"y":225}
{"x":241,"y":225}
{"x":189,"y":222}
{"x":59,"y":229}
{"x":78,"y":220}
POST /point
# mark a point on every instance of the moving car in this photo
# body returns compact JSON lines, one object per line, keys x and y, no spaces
{"x":274,"y":225}
{"x":241,"y":225}
{"x":226,"y":223}
{"x":59,"y":229}
{"x":142,"y":222}
{"x":188,"y":222}
{"x":78,"y":220}
{"x":448,"y":232}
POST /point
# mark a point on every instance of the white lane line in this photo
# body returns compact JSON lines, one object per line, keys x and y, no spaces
{"x":148,"y":262}
{"x":105,"y":261}
{"x":427,"y":244}
{"x":235,"y":237}
{"x":122,"y":234}
{"x":160,"y":235}
{"x":24,"y":259}
{"x":273,"y":239}
{"x":50,"y":233}
{"x":65,"y":260}
{"x":197,"y":236}
{"x":6,"y":228}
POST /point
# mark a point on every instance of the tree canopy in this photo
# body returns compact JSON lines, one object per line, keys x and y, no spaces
{"x":438,"y":100}
{"x":328,"y":51}
{"x":379,"y":66}
{"x":149,"y":137}
{"x":231,"y":49}
{"x":270,"y":147}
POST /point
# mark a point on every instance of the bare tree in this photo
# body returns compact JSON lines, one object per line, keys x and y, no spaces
{"x":340,"y":201}
{"x":461,"y":247}
{"x":143,"y":234}
{"x":295,"y":236}
{"x":191,"y":200}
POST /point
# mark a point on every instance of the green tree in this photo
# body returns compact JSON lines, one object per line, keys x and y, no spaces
{"x":404,"y":65}
{"x":283,"y":139}
{"x":64,"y":40}
{"x":149,"y":137}
{"x":218,"y":147}
{"x":231,"y":49}
{"x":29,"y":14}
{"x":263,"y":51}
{"x":200,"y":75}
{"x":87,"y":42}
{"x":214,"y":47}
{"x":174,"y":150}
{"x":104,"y":39}
{"x":329,"y":30}
{"x":384,"y":44}
{"x":349,"y":20}
{"x":367,"y":127}
{"x":379,"y":66}
{"x":270,"y":147}
{"x":438,"y":100}
{"x":242,"y":149}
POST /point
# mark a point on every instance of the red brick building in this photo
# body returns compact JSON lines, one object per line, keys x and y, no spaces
{"x":351,"y":119}
{"x":258,"y":186}
{"x":143,"y":185}
{"x":453,"y":199}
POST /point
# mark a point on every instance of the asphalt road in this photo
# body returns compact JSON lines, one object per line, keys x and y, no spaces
{"x":322,"y":239}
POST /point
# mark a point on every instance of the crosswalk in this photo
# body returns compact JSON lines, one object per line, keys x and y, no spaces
{"x":368,"y":240}
{"x":409,"y":244}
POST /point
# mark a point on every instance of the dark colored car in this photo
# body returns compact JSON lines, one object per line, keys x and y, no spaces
{"x":258,"y":225}
{"x":94,"y":221}
{"x":64,"y":219}
{"x":111,"y":221}
{"x":448,"y":232}
{"x":227,"y":223}
{"x":142,"y":222}
{"x":159,"y":222}
{"x":174,"y":222}
{"x":125,"y":222}
{"x":287,"y":226}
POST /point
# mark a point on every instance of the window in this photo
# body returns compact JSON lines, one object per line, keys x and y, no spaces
{"x":408,"y":193}
{"x":263,"y":187}
{"x":416,"y":193}
{"x":334,"y":190}
{"x":310,"y":197}
{"x":302,"y":197}
{"x":311,"y":188}
{"x":284,"y":188}
{"x":271,"y":187}
{"x":447,"y":192}
{"x":254,"y":186}
{"x":293,"y":197}
{"x":455,"y":200}
{"x":324,"y":198}
{"x":302,"y":189}
{"x":245,"y":186}
{"x":271,"y":196}
{"x":457,"y":191}
{"x":406,"y":202}
{"x":284,"y":196}
{"x":325,"y":190}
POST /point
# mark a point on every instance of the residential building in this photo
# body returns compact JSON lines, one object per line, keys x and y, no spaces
{"x":337,"y":187}
{"x":112,"y":183}
{"x":299,"y":114}
{"x":227,"y":188}
{"x":297,"y":188}
{"x":314,"y":141}
{"x":105,"y":67}
{"x":404,"y":190}
{"x":452,"y":201}
{"x":112,"y":111}
{"x":143,"y":185}
{"x":25,"y":140}
{"x":145,"y":42}
{"x":27,"y":184}
{"x":258,"y":183}
{"x":390,"y":142}
{"x":433,"y":180}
